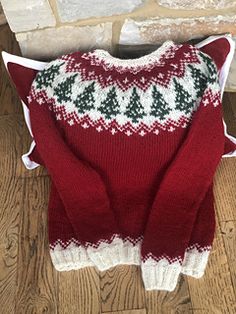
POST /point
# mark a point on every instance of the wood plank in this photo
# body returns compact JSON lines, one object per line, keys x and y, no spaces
{"x":79,"y":291}
{"x":10,"y":143}
{"x":164,"y":302}
{"x":10,"y":196}
{"x":229,"y":109}
{"x":9,"y":232}
{"x":9,"y":100}
{"x":122,"y":289}
{"x":232,"y":101}
{"x":214,"y":293}
{"x":3,"y":19}
{"x":140,"y":311}
{"x":228,"y":231}
{"x":15,"y":136}
{"x":224,"y":189}
{"x":37,"y":281}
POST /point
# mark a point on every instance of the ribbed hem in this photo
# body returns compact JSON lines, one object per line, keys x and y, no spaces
{"x":70,"y":258}
{"x":116,"y":252}
{"x":195,"y":262}
{"x":160,"y":275}
{"x":106,"y":254}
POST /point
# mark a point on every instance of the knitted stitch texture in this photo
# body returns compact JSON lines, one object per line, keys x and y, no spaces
{"x":131,"y":147}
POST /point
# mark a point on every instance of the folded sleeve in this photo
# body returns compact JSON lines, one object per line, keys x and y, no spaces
{"x":181,"y":192}
{"x":80,"y":187}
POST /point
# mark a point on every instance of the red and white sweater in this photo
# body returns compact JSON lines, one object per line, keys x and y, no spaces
{"x":131,"y":147}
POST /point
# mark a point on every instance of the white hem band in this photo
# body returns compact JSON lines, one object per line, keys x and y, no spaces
{"x":159,"y":274}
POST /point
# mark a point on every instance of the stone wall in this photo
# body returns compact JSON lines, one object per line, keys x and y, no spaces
{"x":48,"y":28}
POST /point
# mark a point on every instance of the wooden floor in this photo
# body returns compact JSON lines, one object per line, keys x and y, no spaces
{"x":28,"y":282}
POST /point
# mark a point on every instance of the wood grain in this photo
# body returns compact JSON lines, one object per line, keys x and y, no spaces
{"x":79,"y":292}
{"x":122,"y":289}
{"x":37,"y":286}
{"x":225,"y":188}
{"x":163,"y":302}
{"x":231,"y":100}
{"x":229,"y":108}
{"x":3,"y":19}
{"x":9,"y":210}
{"x":214,"y":293}
{"x":10,"y":195}
{"x":228,"y":231}
{"x":143,"y":311}
{"x":11,"y":143}
{"x":9,"y":233}
{"x":9,"y":100}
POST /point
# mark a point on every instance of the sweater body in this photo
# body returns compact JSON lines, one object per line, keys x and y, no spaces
{"x":115,"y":136}
{"x":131,"y":169}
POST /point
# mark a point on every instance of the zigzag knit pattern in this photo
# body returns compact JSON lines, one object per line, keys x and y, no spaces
{"x":138,"y":100}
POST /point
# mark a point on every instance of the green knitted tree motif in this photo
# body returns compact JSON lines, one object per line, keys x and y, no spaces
{"x":64,"y":89}
{"x":200,"y":80}
{"x":85,"y":101}
{"x":135,"y":110}
{"x":183,"y":99}
{"x":47,"y":76}
{"x":211,"y":68}
{"x":159,"y":106}
{"x":110,"y":106}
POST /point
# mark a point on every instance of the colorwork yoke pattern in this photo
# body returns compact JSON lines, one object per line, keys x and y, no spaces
{"x":131,"y":147}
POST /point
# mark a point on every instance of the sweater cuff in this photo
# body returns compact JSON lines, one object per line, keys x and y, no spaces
{"x":195,"y":261}
{"x":116,"y":252}
{"x":160,"y":275}
{"x":70,"y":258}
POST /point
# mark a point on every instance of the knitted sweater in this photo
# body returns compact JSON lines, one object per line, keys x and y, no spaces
{"x":131,"y":147}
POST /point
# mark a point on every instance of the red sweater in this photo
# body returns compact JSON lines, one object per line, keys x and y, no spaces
{"x":131,"y":147}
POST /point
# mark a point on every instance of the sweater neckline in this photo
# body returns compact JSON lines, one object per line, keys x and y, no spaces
{"x":154,"y":56}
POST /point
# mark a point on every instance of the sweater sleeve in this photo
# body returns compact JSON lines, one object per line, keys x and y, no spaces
{"x":181,"y":192}
{"x":80,"y":187}
{"x":198,"y":250}
{"x":65,"y":250}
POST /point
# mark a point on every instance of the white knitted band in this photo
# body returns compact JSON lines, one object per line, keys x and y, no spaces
{"x":69,"y":258}
{"x":118,"y":252}
{"x":104,"y":255}
{"x":160,"y":275}
{"x":195,"y":261}
{"x":157,"y":275}
{"x":163,"y":274}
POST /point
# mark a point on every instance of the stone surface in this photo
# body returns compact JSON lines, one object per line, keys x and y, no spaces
{"x":28,"y":14}
{"x":72,"y":10}
{"x":156,"y":31}
{"x":52,"y":42}
{"x":199,"y":4}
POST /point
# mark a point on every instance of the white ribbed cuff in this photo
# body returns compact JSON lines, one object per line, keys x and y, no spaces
{"x":195,"y":262}
{"x":117,"y":252}
{"x":160,"y":275}
{"x":70,"y":258}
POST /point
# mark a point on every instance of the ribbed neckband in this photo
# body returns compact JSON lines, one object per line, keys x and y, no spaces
{"x":143,"y":60}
